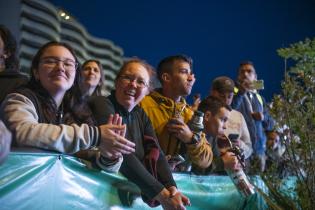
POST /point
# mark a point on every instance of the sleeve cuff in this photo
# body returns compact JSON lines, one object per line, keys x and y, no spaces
{"x":98,"y":138}
{"x":109,"y":165}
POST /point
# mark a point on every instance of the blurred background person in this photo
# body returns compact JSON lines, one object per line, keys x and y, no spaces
{"x":275,"y":154}
{"x":91,"y":84}
{"x":252,"y":105}
{"x":10,"y":77}
{"x":92,"y":78}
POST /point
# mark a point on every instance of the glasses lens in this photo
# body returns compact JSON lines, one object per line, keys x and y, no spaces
{"x":140,"y":83}
{"x":52,"y":62}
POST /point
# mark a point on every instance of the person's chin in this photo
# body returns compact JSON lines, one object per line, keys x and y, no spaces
{"x":187,"y":92}
{"x":61,"y":83}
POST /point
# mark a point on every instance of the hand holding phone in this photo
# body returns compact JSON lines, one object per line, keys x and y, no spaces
{"x":257,"y":85}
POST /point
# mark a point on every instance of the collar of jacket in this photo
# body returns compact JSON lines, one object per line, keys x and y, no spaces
{"x":165,"y":101}
{"x":254,"y":92}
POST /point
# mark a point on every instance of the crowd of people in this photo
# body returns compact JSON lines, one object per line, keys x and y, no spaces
{"x":139,"y":130}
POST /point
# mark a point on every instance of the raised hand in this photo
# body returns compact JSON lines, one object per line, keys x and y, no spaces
{"x":113,"y":143}
{"x":180,"y":130}
{"x":116,"y":120}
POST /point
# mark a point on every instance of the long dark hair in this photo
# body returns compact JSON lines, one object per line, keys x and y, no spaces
{"x":101,"y":84}
{"x":74,"y":108}
{"x":10,"y":47}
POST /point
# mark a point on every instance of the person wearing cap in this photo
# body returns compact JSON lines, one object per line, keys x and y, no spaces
{"x":236,"y":128}
{"x":252,"y":105}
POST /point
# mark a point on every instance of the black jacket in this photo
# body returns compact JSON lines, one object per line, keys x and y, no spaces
{"x":138,"y":126}
{"x":9,"y":81}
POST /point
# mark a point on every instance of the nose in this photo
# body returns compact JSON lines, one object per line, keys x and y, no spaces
{"x":91,"y":72}
{"x":191,"y":77}
{"x":61,"y":65}
{"x":133,"y":83}
{"x":224,"y":126}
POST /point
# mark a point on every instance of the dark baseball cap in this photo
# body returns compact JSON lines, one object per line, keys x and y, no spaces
{"x":223,"y":84}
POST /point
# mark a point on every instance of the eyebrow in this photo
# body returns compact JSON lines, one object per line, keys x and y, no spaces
{"x":58,"y":58}
{"x":134,"y":76}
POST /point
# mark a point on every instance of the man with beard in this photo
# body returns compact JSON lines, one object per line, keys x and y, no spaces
{"x":169,"y":113}
{"x":252,"y":105}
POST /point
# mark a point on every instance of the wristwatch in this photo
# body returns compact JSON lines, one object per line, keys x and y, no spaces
{"x":195,"y":138}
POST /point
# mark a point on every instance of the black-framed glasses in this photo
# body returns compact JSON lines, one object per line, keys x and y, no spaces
{"x":127,"y":79}
{"x":52,"y":62}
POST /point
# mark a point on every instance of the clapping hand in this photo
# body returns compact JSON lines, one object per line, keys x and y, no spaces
{"x":113,"y":143}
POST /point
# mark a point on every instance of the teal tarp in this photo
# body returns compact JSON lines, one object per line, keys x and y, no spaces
{"x":55,"y":182}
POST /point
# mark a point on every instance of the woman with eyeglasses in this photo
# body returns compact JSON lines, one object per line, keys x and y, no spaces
{"x":147,"y":167}
{"x":92,"y":78}
{"x":47,"y":113}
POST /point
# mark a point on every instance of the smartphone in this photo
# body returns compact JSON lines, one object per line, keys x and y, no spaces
{"x":257,"y":85}
{"x":233,"y":137}
{"x":176,"y":159}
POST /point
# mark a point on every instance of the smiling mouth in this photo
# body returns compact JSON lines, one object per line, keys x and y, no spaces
{"x":131,"y":93}
{"x":58,"y":76}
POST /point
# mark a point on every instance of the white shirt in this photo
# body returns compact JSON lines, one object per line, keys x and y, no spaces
{"x":236,"y":125}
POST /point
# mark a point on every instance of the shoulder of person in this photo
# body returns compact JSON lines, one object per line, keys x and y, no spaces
{"x":14,"y":74}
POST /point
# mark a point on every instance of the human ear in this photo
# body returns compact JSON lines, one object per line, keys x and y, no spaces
{"x":36,"y":75}
{"x":207,"y":116}
{"x":147,"y":91}
{"x":166,"y":77}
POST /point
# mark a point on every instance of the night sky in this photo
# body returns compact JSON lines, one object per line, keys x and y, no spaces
{"x":218,"y":35}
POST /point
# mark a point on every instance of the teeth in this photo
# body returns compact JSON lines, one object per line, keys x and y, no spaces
{"x":131,"y":92}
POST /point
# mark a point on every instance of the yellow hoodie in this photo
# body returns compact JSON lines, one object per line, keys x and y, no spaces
{"x":160,"y":110}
